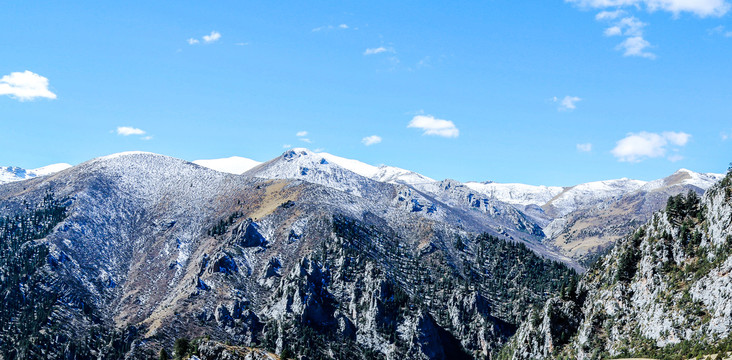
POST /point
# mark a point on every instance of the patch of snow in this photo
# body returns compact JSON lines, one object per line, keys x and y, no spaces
{"x":684,"y":177}
{"x":125,"y":153}
{"x":592,"y":193}
{"x":12,"y":173}
{"x":233,"y":165}
{"x":395,"y":175}
{"x":50,"y":169}
{"x":356,"y":166}
{"x":517,"y":194}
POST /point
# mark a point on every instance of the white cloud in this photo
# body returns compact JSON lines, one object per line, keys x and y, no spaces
{"x":378,"y":50}
{"x":241,"y":44}
{"x":301,"y":133}
{"x":720,"y":30}
{"x":432,"y":126}
{"x":675,"y":158}
{"x":128,"y":130}
{"x":629,"y":26}
{"x":677,"y":138}
{"x":193,"y":41}
{"x":149,"y":137}
{"x":632,"y":28}
{"x":213,"y":37}
{"x":636,"y":147}
{"x":635,"y":46}
{"x":286,"y":146}
{"x":613,"y":31}
{"x":609,"y":15}
{"x":306,"y":140}
{"x":700,"y":8}
{"x":584,"y":147}
{"x":568,"y":103}
{"x":371,"y":140}
{"x":25,"y":86}
{"x":331,"y":27}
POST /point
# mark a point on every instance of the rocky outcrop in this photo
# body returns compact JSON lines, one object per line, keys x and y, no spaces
{"x":665,"y":289}
{"x":153,"y":249}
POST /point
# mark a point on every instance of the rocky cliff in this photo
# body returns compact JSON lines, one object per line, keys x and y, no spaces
{"x":130,"y":252}
{"x":664,"y":291}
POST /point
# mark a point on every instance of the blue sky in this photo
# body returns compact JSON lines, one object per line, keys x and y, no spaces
{"x":551,"y":92}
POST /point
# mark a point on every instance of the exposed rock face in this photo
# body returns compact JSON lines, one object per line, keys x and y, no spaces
{"x":151,"y":249}
{"x":665,"y":288}
{"x":212,"y":350}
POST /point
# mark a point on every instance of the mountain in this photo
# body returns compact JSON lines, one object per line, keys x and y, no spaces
{"x":586,"y":230}
{"x":383,"y":173}
{"x":664,"y":291}
{"x":128,"y":254}
{"x":447,"y":201}
{"x":583,"y":220}
{"x":232,"y":165}
{"x":10,"y":173}
{"x":574,"y":224}
{"x":517,"y":194}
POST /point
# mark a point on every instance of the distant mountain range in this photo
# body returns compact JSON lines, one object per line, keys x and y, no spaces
{"x":310,"y":254}
{"x":12,"y":173}
{"x":574,"y":221}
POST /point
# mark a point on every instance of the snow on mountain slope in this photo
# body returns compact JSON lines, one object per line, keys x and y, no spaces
{"x":356,"y":166}
{"x":233,"y":165}
{"x":395,"y":175}
{"x":331,"y":170}
{"x":383,"y":173}
{"x":589,"y":194}
{"x":517,"y":194}
{"x":12,"y":173}
{"x":684,"y":177}
{"x":314,"y":167}
{"x":50,"y":169}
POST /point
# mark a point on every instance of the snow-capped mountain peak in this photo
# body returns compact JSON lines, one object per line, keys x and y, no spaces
{"x":233,"y":165}
{"x":13,"y":173}
{"x":517,"y":194}
{"x":684,"y":177}
{"x":383,"y":173}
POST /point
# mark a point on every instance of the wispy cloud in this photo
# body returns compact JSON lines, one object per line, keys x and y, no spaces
{"x":286,"y":146}
{"x":377,"y":50}
{"x":301,"y":135}
{"x":701,"y":8}
{"x":433,"y":126}
{"x":629,"y":26}
{"x":675,"y":158}
{"x":25,"y":86}
{"x":371,"y":140}
{"x":332,"y":27}
{"x":609,"y":15}
{"x":567,"y":103}
{"x":635,"y":46}
{"x":636,"y":147}
{"x":129,"y":130}
{"x":720,"y":30}
{"x":213,"y":37}
{"x":584,"y":147}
